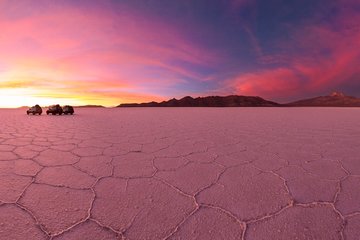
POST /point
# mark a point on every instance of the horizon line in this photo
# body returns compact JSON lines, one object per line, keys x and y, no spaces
{"x":114,"y":106}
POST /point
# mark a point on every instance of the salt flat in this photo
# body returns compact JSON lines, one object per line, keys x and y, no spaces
{"x":181,"y":173}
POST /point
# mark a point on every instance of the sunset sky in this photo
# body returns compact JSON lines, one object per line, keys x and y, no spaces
{"x":110,"y":52}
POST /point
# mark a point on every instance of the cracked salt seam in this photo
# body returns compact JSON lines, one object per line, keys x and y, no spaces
{"x":127,"y":178}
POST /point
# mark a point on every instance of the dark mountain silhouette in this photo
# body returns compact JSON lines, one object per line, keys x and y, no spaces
{"x":335,"y":99}
{"x":211,"y":101}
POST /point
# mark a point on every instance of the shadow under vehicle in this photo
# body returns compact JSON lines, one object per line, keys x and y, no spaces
{"x":68,"y":110}
{"x":54,"y":109}
{"x":34,"y":110}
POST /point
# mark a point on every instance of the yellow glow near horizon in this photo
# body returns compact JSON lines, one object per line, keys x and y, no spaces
{"x":27,"y":86}
{"x":30,"y":86}
{"x":18,"y":97}
{"x":18,"y":90}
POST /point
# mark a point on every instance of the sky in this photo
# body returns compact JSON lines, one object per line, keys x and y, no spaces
{"x":120,"y":51}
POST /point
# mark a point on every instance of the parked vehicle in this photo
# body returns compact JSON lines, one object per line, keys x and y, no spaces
{"x":34,"y":110}
{"x":68,"y":110}
{"x":55,"y":109}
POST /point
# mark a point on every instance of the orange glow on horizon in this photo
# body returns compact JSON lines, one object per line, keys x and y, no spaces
{"x":45,"y":88}
{"x":19,"y":97}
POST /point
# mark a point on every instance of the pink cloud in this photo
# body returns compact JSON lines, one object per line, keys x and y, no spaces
{"x":270,"y":83}
{"x":321,"y":57}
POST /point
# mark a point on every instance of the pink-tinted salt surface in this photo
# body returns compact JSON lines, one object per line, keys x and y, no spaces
{"x":181,"y":173}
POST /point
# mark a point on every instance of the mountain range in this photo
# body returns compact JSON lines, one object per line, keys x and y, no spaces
{"x":211,"y":101}
{"x":335,"y":99}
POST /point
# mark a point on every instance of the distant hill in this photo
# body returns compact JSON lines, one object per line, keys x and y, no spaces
{"x":211,"y":101}
{"x":335,"y":99}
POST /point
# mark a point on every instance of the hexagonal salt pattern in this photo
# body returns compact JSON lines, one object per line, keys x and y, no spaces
{"x":181,"y":173}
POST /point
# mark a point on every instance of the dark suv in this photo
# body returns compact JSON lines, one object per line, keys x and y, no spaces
{"x":55,"y":109}
{"x":68,"y":110}
{"x":34,"y":110}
